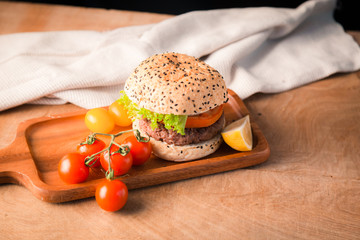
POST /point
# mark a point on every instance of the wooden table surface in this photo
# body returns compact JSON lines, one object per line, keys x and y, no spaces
{"x":308,"y":189}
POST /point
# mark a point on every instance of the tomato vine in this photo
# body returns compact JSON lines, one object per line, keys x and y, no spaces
{"x":123,"y":149}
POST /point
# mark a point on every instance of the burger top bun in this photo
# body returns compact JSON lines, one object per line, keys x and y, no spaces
{"x":176,"y":83}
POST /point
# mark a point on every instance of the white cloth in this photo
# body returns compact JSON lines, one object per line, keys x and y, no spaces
{"x":255,"y":49}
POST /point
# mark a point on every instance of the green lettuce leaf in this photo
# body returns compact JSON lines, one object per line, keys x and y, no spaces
{"x":170,"y":121}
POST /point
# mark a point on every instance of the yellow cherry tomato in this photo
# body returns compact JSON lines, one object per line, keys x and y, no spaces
{"x":119,"y":114}
{"x":99,"y":120}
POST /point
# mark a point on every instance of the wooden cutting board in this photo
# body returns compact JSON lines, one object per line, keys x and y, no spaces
{"x":32,"y":158}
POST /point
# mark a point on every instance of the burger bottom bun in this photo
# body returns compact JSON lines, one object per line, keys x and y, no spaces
{"x":182,"y":153}
{"x":186,"y":152}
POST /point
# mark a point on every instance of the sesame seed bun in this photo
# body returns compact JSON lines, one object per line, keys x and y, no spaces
{"x":182,"y":153}
{"x":176,"y":83}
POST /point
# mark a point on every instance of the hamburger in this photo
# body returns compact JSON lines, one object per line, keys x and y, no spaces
{"x":177,"y":100}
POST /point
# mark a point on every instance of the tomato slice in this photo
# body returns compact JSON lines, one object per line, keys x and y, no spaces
{"x":204,"y":119}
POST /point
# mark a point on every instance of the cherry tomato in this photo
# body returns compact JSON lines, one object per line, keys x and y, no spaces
{"x":87,"y":149}
{"x":99,"y":120}
{"x":111,"y":195}
{"x":120,"y":164}
{"x":140,"y":151}
{"x":72,"y":168}
{"x":119,"y":114}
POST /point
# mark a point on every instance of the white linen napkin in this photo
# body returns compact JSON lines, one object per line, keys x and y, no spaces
{"x":255,"y":49}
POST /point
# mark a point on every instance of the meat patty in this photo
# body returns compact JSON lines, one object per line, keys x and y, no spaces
{"x":192,"y":135}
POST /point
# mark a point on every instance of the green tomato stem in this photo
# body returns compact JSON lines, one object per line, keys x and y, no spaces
{"x":110,"y":172}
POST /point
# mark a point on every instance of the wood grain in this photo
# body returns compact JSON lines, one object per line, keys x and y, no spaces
{"x":45,"y":17}
{"x":318,"y":123}
{"x":308,"y":189}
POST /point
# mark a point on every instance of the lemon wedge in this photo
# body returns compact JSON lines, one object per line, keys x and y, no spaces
{"x":238,"y":134}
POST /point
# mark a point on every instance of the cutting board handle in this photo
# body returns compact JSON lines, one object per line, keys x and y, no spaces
{"x":18,"y":166}
{"x":16,"y":162}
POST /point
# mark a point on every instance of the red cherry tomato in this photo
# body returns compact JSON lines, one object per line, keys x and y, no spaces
{"x":120,"y":164}
{"x":111,"y":195}
{"x":86,"y":150}
{"x":72,"y":168}
{"x":140,"y":151}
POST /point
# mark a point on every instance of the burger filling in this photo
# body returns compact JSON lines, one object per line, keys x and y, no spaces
{"x":192,"y":135}
{"x":176,"y":129}
{"x":170,"y":121}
